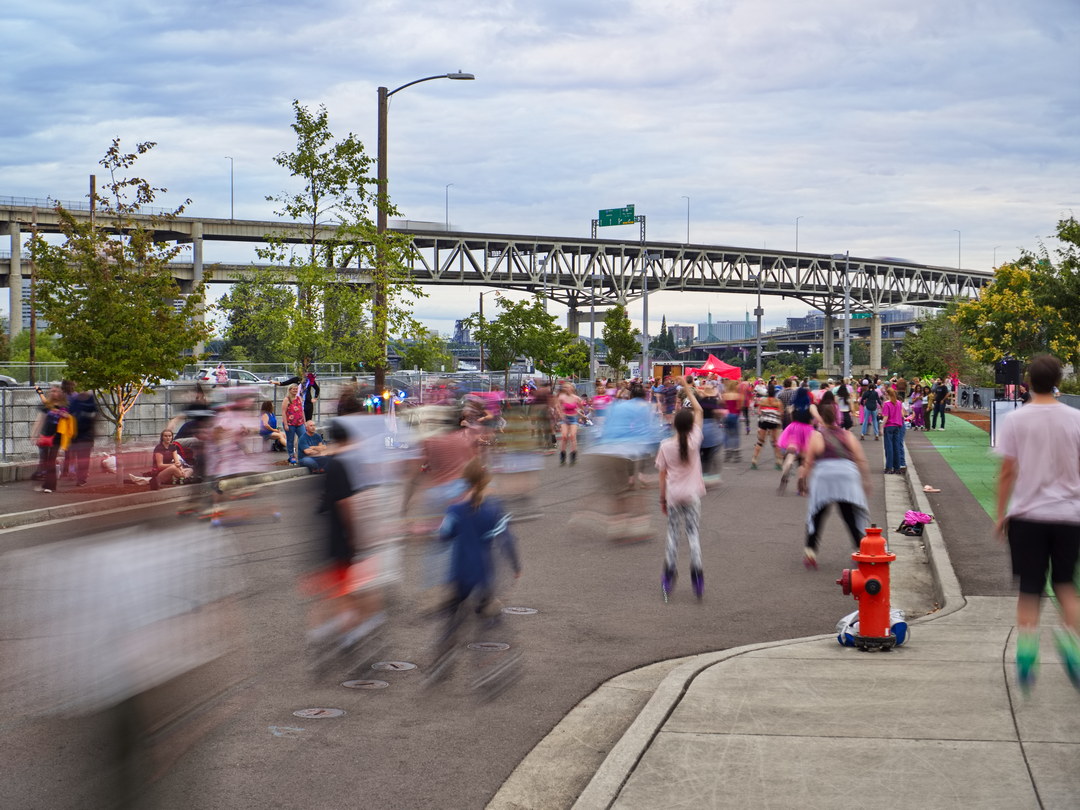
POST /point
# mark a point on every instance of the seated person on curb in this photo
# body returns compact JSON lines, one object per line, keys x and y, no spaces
{"x":168,"y":462}
{"x":312,"y":448}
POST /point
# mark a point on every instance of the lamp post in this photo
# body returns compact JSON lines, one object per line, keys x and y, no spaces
{"x":646,"y":259}
{"x":687,"y":218}
{"x":481,"y":342}
{"x":995,"y":255}
{"x":448,"y":205}
{"x":957,"y":249}
{"x":758,"y":312}
{"x":592,"y":329}
{"x":382,"y":204}
{"x":232,"y":191}
{"x":797,"y":233}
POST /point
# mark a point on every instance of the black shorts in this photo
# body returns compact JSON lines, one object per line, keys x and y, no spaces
{"x":1037,"y":546}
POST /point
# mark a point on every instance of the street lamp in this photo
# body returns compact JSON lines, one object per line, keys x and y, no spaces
{"x":995,"y":255}
{"x":687,"y":218}
{"x":797,"y":233}
{"x":758,"y":312}
{"x":382,"y":204}
{"x":232,"y":192}
{"x":592,"y":328}
{"x":957,"y":249}
{"x":448,"y":205}
{"x":481,"y":341}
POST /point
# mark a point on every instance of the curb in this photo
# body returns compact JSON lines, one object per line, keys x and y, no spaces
{"x":603,"y":789}
{"x":89,"y":507}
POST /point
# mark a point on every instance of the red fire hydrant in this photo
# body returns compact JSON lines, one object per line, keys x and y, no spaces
{"x":870,"y":586}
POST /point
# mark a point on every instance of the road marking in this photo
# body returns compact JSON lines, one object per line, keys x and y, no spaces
{"x":290,"y":732}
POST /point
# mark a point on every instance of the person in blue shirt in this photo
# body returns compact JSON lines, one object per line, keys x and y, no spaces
{"x":475,"y":525}
{"x":311,"y":449}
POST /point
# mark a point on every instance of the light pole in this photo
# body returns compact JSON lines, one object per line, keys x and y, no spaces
{"x":957,"y":249}
{"x":995,"y":255}
{"x":758,"y":312}
{"x":382,"y":204}
{"x":481,"y":342}
{"x":592,"y":329}
{"x":846,"y":370}
{"x":232,"y":192}
{"x":797,"y":233}
{"x":646,"y":259}
{"x":687,"y":218}
{"x":448,"y":205}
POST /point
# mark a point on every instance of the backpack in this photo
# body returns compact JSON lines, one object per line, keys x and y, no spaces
{"x":870,"y":400}
{"x":51,"y":423}
{"x":913,"y":523}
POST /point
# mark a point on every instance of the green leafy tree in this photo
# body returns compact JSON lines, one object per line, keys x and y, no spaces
{"x":109,"y":294}
{"x":251,"y":311}
{"x":573,"y":360}
{"x":621,"y":339}
{"x":935,"y":348}
{"x":522,"y":329}
{"x":1032,"y":306}
{"x":425,"y":350}
{"x":665,"y":341}
{"x":345,"y":302}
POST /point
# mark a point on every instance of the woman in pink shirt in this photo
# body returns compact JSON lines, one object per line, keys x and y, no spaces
{"x":681,"y":488}
{"x":892,"y":418}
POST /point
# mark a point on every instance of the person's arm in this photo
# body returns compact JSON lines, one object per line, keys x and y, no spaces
{"x":290,"y":381}
{"x":1006,"y":482}
{"x":691,"y":394}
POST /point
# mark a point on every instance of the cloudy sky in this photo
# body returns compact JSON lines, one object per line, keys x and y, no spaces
{"x":884,"y":127}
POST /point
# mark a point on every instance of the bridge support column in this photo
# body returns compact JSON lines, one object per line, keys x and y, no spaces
{"x":875,"y":342}
{"x":197,"y":273}
{"x":573,"y":321}
{"x":15,"y":299}
{"x":828,"y":343}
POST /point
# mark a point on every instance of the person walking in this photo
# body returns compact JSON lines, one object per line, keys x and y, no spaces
{"x":569,"y":405}
{"x":293,"y":416}
{"x":837,"y":472}
{"x":769,"y":422}
{"x":869,"y":402}
{"x":1038,"y":513}
{"x":681,"y":488}
{"x":892,"y":418}
{"x":941,"y":399}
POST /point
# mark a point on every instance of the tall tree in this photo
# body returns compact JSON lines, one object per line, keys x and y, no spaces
{"x":936,"y":347}
{"x":109,"y":293}
{"x":1032,"y":306}
{"x":251,"y":311}
{"x":426,"y":351}
{"x":621,"y":339}
{"x":522,"y":329}
{"x":331,"y":314}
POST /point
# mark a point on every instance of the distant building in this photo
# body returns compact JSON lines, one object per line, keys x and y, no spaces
{"x":683,"y":335}
{"x":726,"y":330}
{"x":461,"y":333}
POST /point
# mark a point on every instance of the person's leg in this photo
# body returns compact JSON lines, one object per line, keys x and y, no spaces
{"x":573,"y":444}
{"x":1064,"y":555}
{"x":82,"y":461}
{"x":891,"y":433}
{"x":1029,"y":546}
{"x":757,"y":448}
{"x":311,"y":464}
{"x":671,"y":550}
{"x":813,"y":536}
{"x":901,"y":455}
{"x":847,"y":510}
{"x":49,"y":483}
{"x":864,"y":420}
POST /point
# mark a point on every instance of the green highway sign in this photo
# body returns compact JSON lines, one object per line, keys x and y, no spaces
{"x":859,"y":315}
{"x":616,"y":216}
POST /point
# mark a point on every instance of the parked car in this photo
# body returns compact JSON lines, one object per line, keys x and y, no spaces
{"x":5,"y":380}
{"x":237,"y":376}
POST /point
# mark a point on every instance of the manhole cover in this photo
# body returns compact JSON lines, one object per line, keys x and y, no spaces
{"x":319,"y":713}
{"x":520,"y":611}
{"x":365,"y":684}
{"x":489,"y":646}
{"x":393,"y":666}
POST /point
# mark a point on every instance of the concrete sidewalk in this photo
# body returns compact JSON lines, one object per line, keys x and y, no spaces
{"x":807,"y":723}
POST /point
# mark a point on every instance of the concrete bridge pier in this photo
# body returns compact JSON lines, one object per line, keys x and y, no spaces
{"x":828,"y":342}
{"x":875,"y":341}
{"x":15,"y":282}
{"x":197,"y":273}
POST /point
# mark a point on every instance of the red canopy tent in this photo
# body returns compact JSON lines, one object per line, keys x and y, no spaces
{"x":715,"y":365}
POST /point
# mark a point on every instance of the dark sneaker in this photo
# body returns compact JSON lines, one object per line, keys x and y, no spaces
{"x":667,"y":581}
{"x":573,"y":458}
{"x":562,"y":458}
{"x":697,"y":580}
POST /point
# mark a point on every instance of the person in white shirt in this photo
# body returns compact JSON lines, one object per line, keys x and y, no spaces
{"x":1038,"y":512}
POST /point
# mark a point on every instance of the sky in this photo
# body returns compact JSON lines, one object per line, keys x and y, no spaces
{"x":932,"y":131}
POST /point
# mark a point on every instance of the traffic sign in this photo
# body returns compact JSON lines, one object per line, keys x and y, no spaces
{"x":856,"y":316}
{"x":616,"y":216}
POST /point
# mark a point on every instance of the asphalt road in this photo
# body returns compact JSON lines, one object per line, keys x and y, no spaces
{"x":600,"y":613}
